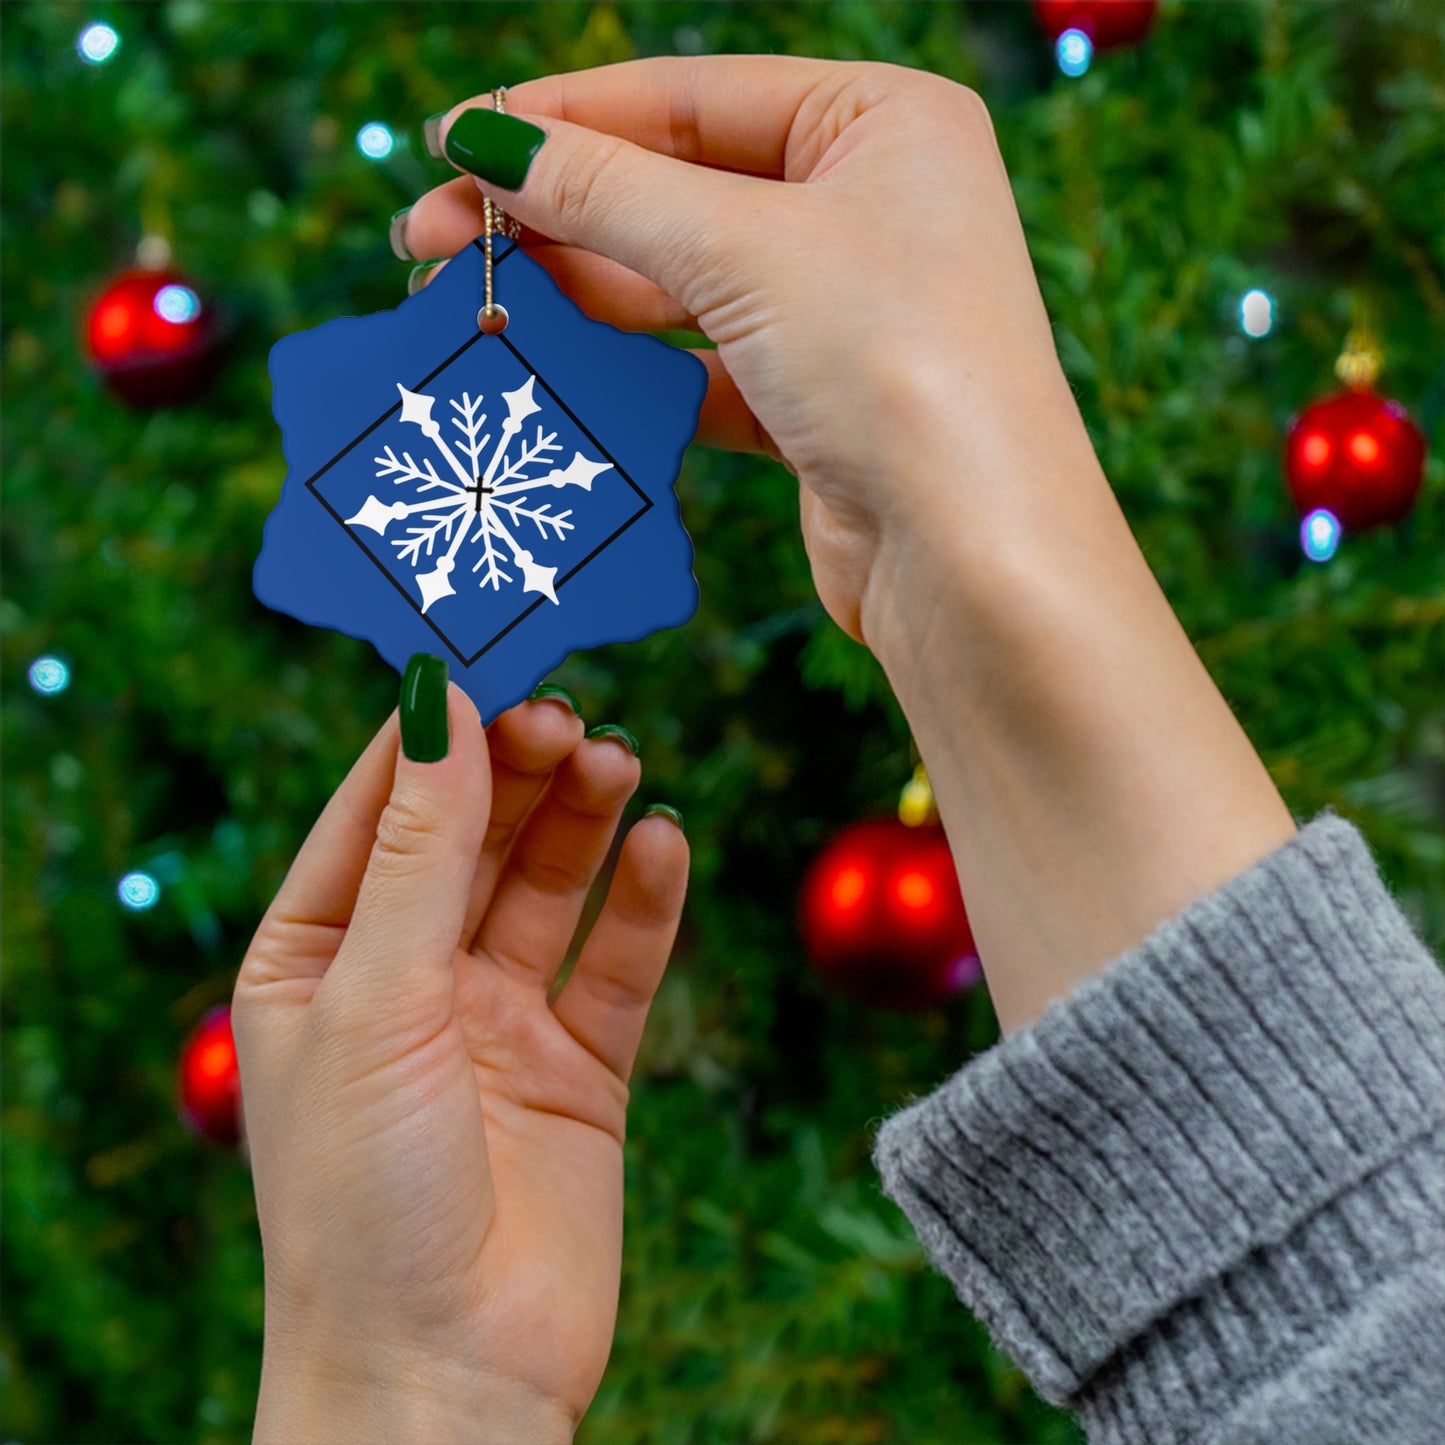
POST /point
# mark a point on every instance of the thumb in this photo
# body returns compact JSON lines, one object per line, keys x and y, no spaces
{"x":395,"y":962}
{"x":664,"y":218}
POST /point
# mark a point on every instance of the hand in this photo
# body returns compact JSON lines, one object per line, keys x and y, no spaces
{"x":847,"y":235}
{"x":437,"y":1151}
{"x":886,"y":290}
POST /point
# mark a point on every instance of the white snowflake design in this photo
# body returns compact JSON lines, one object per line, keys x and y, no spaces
{"x":485,"y":504}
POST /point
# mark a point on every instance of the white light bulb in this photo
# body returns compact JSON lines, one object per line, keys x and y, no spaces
{"x":1256,"y":313}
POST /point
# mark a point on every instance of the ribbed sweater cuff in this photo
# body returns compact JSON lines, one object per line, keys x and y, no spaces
{"x":1199,"y":1112}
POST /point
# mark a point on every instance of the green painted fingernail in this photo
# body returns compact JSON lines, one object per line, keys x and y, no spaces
{"x":417,"y":279}
{"x":550,"y":689}
{"x":663,"y":810}
{"x":396,"y":234}
{"x":612,"y":730}
{"x":424,"y":734}
{"x":498,"y":148}
{"x":431,"y":133}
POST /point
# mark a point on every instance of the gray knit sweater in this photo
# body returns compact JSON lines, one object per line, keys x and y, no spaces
{"x":1202,"y":1198}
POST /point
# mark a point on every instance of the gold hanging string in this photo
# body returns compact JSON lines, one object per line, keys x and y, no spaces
{"x":493,"y":318}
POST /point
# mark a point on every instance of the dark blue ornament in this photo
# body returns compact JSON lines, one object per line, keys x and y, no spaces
{"x":498,"y":500}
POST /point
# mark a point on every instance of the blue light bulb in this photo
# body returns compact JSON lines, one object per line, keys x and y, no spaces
{"x":1074,"y":51}
{"x":375,"y":141}
{"x":138,"y":891}
{"x":49,"y":675}
{"x":1319,"y":535}
{"x":97,"y":43}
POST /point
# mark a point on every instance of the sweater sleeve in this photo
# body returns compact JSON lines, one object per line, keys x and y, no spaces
{"x":1202,"y":1198}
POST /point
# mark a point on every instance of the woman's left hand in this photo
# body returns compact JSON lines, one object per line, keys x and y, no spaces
{"x":437,"y":1147}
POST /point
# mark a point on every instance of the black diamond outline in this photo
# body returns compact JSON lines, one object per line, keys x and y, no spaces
{"x":647,"y":502}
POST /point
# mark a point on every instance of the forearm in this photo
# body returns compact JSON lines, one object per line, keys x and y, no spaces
{"x":1091,"y":778}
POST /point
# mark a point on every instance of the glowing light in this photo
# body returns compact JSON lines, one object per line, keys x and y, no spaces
{"x":1256,"y":313}
{"x":1319,"y":535}
{"x":1315,"y":449}
{"x":915,"y":890}
{"x":97,"y":44}
{"x":113,"y":321}
{"x":49,"y":675}
{"x":1074,"y":51}
{"x":964,"y":970}
{"x":375,"y":141}
{"x":138,"y":891}
{"x":1364,"y":448}
{"x":177,"y":304}
{"x":215,"y":1059}
{"x":848,"y":888}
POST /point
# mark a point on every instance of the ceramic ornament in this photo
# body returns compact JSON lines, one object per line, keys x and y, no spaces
{"x":497,"y":500}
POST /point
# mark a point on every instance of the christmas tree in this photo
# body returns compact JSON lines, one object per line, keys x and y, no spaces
{"x":1211,"y":211}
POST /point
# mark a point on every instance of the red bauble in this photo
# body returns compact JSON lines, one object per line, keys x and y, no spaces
{"x":210,"y":1081}
{"x":883,"y":917}
{"x":1107,"y":23}
{"x":1357,"y":455}
{"x":152,"y":338}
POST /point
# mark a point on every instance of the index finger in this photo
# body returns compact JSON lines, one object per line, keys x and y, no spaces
{"x":734,"y":112}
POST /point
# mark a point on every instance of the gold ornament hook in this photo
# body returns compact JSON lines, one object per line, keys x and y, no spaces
{"x":915,"y":804}
{"x":493,"y":318}
{"x":1360,"y":361}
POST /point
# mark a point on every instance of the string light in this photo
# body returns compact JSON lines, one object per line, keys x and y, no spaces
{"x":1319,"y":535}
{"x":138,"y":891}
{"x":1074,"y":51}
{"x":49,"y":675}
{"x":375,"y":141}
{"x":97,"y":43}
{"x":177,"y":304}
{"x":1256,"y":313}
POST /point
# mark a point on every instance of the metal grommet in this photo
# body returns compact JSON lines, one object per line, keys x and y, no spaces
{"x":492,"y":319}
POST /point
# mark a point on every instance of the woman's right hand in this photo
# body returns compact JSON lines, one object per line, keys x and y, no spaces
{"x":847,"y":236}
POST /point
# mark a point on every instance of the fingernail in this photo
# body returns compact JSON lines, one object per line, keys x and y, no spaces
{"x":424,"y":734}
{"x":612,"y":730}
{"x":498,"y":148}
{"x":663,"y":810}
{"x":396,"y":233}
{"x":431,"y":133}
{"x":550,"y":689}
{"x":417,"y":278}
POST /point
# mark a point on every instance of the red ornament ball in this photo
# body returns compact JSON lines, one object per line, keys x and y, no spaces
{"x":883,"y":917}
{"x":152,"y":338}
{"x":210,"y":1081}
{"x":1357,"y":455}
{"x":1107,"y":23}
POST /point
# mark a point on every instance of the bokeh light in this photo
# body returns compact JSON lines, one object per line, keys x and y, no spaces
{"x":1075,"y":52}
{"x":177,"y":304}
{"x":849,"y":887}
{"x":49,"y":675}
{"x":97,"y":43}
{"x":1256,"y":313}
{"x":375,"y":141}
{"x":1319,"y":535}
{"x":138,"y":891}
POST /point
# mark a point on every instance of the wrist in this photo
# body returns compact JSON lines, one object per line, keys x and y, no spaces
{"x":1092,"y":779}
{"x":985,"y":520}
{"x":401,"y":1399}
